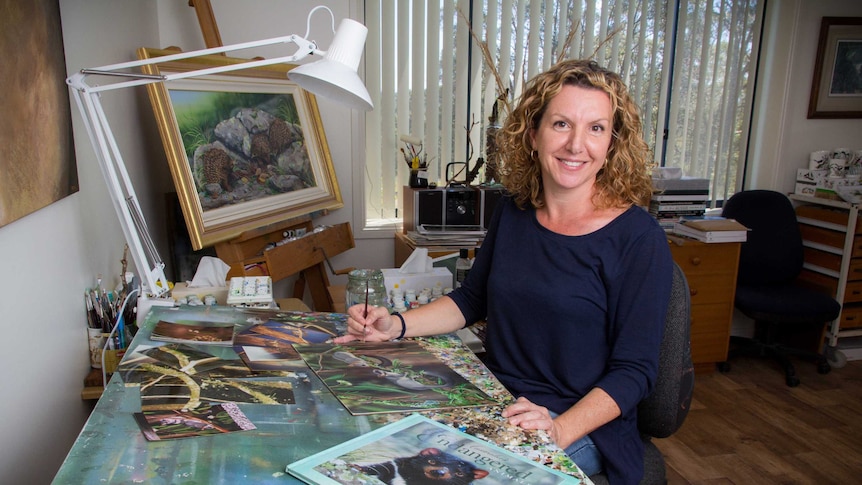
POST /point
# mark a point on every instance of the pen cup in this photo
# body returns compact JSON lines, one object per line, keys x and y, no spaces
{"x":95,"y":342}
{"x":418,"y":179}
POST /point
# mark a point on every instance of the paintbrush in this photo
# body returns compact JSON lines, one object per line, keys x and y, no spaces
{"x":365,"y":312}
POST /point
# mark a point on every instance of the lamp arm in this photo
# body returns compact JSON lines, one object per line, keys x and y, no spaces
{"x":341,"y":62}
{"x":87,"y":97}
{"x":141,"y":246}
{"x":78,"y":82}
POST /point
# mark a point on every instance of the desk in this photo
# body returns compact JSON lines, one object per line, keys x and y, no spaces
{"x":112,"y":449}
{"x":711,"y":273}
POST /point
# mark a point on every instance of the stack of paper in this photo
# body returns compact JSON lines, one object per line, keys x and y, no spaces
{"x":711,"y":229}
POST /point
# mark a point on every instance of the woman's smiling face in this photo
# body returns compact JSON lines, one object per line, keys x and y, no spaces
{"x":573,"y":138}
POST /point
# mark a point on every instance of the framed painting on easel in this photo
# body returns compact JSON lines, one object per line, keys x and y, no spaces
{"x":246,"y":149}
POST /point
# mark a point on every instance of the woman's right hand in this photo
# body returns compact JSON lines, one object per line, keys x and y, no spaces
{"x":375,"y":327}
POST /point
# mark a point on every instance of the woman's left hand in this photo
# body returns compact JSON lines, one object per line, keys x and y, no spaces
{"x":525,"y":414}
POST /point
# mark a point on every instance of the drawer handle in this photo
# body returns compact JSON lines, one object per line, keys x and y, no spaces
{"x":692,"y":291}
{"x":856,"y":292}
{"x":695,"y":260}
{"x":850,"y":319}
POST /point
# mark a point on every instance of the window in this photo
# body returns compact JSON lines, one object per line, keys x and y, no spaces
{"x":689,"y":64}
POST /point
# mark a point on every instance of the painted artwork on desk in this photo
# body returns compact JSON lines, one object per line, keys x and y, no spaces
{"x":390,"y":377}
{"x":185,"y":392}
{"x":203,"y":421}
{"x":202,"y":333}
{"x":179,"y":376}
{"x":268,"y":346}
{"x":420,"y":450}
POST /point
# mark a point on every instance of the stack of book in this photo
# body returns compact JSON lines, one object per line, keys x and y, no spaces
{"x":711,"y":229}
{"x":678,"y":198}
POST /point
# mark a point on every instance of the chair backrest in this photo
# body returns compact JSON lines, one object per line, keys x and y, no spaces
{"x":773,"y":250}
{"x":664,"y":410}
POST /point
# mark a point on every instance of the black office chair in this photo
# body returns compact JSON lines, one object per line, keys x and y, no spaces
{"x":767,"y":288}
{"x":662,"y":413}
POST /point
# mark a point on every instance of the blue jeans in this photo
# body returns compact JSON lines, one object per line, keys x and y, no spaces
{"x":584,"y":453}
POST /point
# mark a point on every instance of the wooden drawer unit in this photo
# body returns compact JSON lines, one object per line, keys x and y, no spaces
{"x":710,"y":334}
{"x":853,"y":292}
{"x":832,"y":235}
{"x":711,"y":273}
{"x":851,"y":316}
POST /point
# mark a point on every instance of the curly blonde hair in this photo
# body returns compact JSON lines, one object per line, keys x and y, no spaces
{"x":625,"y":178}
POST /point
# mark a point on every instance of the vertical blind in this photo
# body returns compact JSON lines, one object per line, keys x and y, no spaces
{"x":689,"y":65}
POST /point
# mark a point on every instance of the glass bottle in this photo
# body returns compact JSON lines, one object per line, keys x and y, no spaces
{"x":360,"y":281}
{"x":462,"y":267}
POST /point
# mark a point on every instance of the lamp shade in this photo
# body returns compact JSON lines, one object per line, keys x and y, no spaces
{"x":335,"y":76}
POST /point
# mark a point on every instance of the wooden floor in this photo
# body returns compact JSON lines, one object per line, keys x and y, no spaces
{"x":748,"y":427}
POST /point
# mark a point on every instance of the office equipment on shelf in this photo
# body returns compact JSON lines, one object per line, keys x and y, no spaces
{"x":450,"y":206}
{"x":675,"y":198}
{"x":333,"y":76}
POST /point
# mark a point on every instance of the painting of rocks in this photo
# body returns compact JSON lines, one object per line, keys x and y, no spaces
{"x":242,"y":146}
{"x":246,"y":148}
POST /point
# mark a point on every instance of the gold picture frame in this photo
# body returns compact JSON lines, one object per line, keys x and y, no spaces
{"x":246,"y":149}
{"x":836,"y":90}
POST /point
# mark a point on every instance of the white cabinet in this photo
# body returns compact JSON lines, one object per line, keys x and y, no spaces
{"x":832,"y":236}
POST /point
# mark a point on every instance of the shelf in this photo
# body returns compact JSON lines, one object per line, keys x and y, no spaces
{"x":820,"y":200}
{"x":832,"y":227}
{"x":823,"y":224}
{"x":821,"y":270}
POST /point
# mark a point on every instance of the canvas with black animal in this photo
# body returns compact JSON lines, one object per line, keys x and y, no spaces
{"x":387,"y":377}
{"x":420,"y":451}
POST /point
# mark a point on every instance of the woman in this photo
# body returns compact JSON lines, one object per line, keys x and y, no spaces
{"x":573,"y":277}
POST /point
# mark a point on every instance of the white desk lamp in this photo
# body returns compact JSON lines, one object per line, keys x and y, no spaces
{"x":334,"y":77}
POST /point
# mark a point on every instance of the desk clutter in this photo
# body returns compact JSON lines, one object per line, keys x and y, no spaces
{"x":204,"y":371}
{"x":677,"y":196}
{"x":713,"y":229}
{"x":832,"y":174}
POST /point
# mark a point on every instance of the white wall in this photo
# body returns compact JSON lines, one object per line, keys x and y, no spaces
{"x":51,"y":256}
{"x":782,"y":135}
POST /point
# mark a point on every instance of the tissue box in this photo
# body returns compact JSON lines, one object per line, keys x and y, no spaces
{"x":437,"y":277}
{"x":182,"y":289}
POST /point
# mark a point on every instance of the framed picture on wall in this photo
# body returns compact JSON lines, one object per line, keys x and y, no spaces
{"x":246,"y":149}
{"x":836,"y":90}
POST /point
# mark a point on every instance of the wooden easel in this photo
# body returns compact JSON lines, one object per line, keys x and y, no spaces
{"x":248,"y":255}
{"x":207,"y":21}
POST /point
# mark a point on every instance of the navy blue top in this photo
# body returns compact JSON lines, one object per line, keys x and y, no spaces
{"x":569,"y":313}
